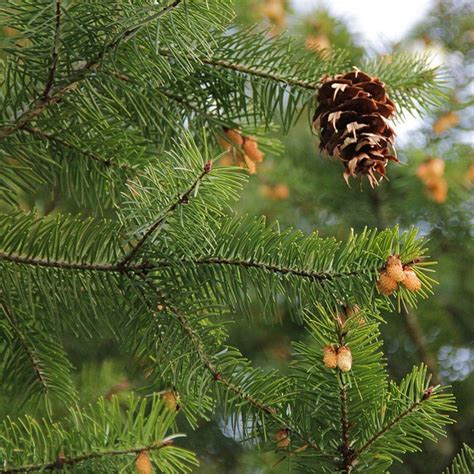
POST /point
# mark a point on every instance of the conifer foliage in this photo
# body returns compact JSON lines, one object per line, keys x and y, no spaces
{"x":116,"y":221}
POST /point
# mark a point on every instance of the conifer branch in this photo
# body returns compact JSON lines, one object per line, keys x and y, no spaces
{"x":55,"y":52}
{"x":35,"y":363}
{"x":413,"y":407}
{"x":54,"y":97}
{"x":310,"y":275}
{"x":53,"y":139}
{"x":253,"y":71}
{"x":218,"y":377}
{"x":158,"y":224}
{"x":345,"y":448}
{"x":61,"y":462}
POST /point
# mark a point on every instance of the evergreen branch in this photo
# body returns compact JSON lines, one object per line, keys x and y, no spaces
{"x":253,"y":71}
{"x":218,"y":377}
{"x":182,"y":199}
{"x":64,"y":265}
{"x":61,"y":461}
{"x":414,"y":406}
{"x":315,"y":276}
{"x":35,"y":363}
{"x":346,"y":450}
{"x":55,"y":53}
{"x":44,"y":102}
{"x":51,"y":138}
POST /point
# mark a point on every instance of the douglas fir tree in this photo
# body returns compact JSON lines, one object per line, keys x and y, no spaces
{"x":120,"y":126}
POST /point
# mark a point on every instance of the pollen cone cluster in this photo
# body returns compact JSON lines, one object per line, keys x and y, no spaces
{"x":352,"y":119}
{"x":395,"y":273}
{"x":241,"y":148}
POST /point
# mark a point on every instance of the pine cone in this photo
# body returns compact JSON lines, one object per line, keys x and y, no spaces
{"x":351,"y":117}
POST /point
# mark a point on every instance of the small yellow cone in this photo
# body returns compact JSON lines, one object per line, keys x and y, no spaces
{"x":395,"y":269}
{"x":143,"y":463}
{"x":386,"y":285}
{"x":411,"y":281}
{"x":330,"y":357}
{"x":344,"y":359}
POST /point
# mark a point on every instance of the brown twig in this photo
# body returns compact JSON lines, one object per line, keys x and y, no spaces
{"x":182,"y":199}
{"x":61,"y":462}
{"x":251,"y":70}
{"x":55,"y":52}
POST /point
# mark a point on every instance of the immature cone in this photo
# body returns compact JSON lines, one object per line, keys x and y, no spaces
{"x":395,"y":268}
{"x":386,"y":285}
{"x":352,"y":119}
{"x":344,"y":359}
{"x":411,"y":281}
{"x":244,"y":149}
{"x":171,"y":401}
{"x":282,"y":438}
{"x":330,"y":357}
{"x":143,"y":464}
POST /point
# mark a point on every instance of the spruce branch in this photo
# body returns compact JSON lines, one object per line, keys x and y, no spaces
{"x":159,"y":223}
{"x":54,"y":139}
{"x":345,"y":448}
{"x":35,"y":363}
{"x":252,"y":71}
{"x":55,"y":52}
{"x":408,"y":411}
{"x":309,"y":275}
{"x":55,"y":96}
{"x":207,"y":363}
{"x":62,"y":462}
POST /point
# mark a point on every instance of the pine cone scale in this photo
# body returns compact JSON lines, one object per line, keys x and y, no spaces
{"x":352,"y":118}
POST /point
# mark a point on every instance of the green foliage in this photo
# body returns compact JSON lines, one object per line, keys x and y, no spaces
{"x":103,"y":437}
{"x":112,"y":111}
{"x":463,"y":462}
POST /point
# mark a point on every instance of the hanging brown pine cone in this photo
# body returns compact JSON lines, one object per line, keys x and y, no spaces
{"x":352,"y":119}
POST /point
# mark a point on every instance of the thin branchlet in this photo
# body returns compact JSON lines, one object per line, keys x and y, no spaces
{"x":63,"y":462}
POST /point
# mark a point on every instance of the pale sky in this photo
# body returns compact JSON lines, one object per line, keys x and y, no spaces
{"x":376,"y":25}
{"x":377,"y":22}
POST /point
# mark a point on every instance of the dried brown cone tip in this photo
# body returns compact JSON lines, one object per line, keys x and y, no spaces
{"x":395,"y":268}
{"x":352,"y":119}
{"x":330,"y":357}
{"x":411,"y":281}
{"x":344,"y":359}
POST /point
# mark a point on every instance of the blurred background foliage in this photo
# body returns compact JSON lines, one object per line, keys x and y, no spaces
{"x":431,"y":190}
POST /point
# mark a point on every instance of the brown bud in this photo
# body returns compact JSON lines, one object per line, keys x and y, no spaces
{"x":170,"y":399}
{"x":143,"y":464}
{"x":330,"y":357}
{"x":282,"y":438}
{"x":234,"y":136}
{"x":386,"y":285}
{"x":411,"y":281}
{"x":395,"y":269}
{"x":344,"y":359}
{"x":251,"y":149}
